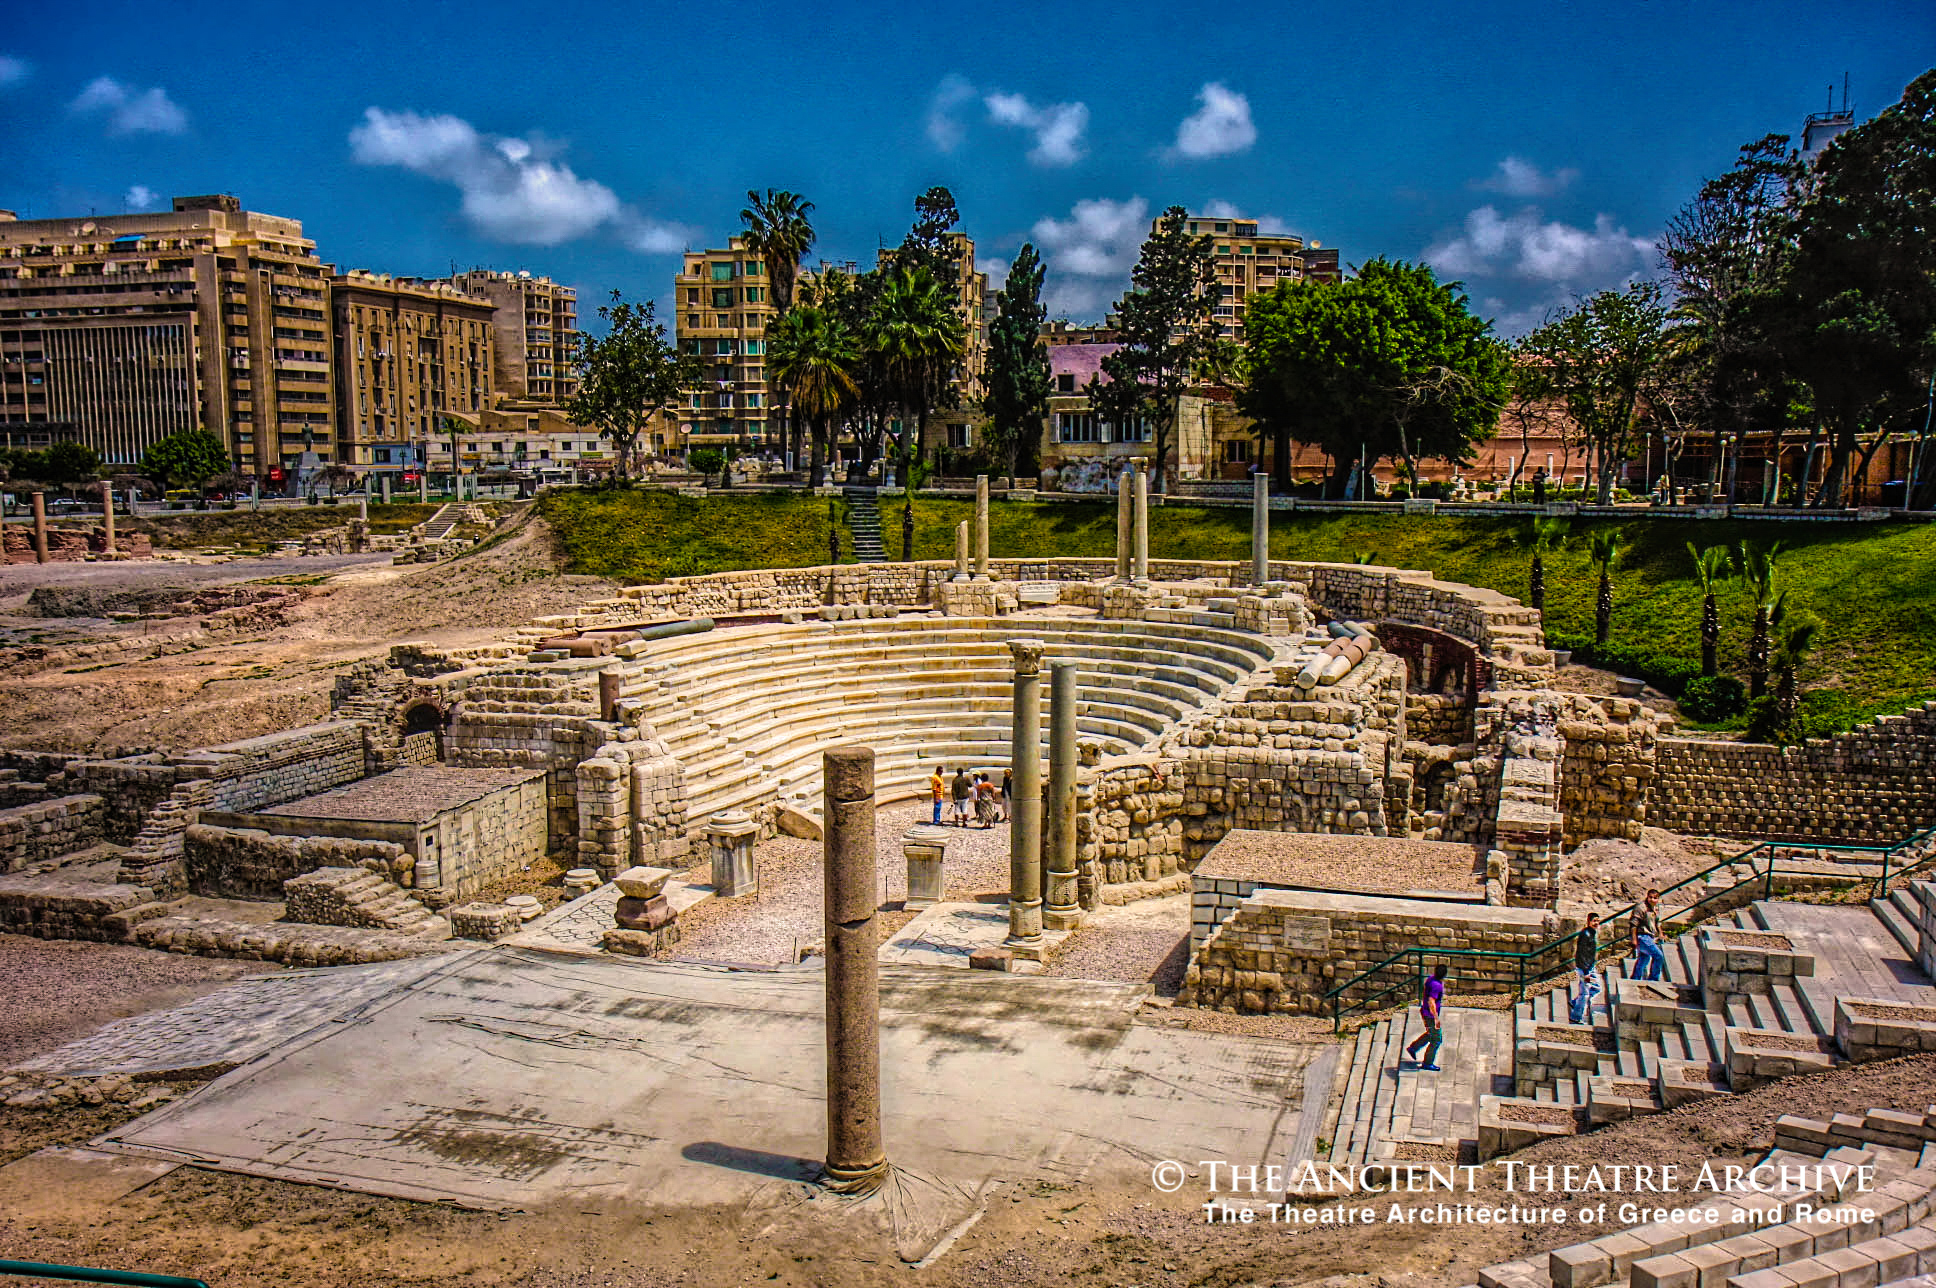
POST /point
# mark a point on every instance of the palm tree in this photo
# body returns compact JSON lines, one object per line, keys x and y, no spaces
{"x":1603,"y":546}
{"x":1764,"y":592}
{"x":1544,"y":535}
{"x":1713,"y":567}
{"x":811,"y":351}
{"x":1796,"y":640}
{"x":917,"y":333}
{"x":778,"y":228}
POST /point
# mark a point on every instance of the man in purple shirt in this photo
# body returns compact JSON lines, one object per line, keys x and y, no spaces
{"x":1430,"y":1009}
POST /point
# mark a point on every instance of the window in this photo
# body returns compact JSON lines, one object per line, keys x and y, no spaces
{"x":530,"y":424}
{"x":1138,"y":431}
{"x":1076,"y":427}
{"x":754,"y":268}
{"x":1236,"y":451}
{"x":961,"y":437}
{"x":1065,"y":383}
{"x":692,"y":295}
{"x":754,"y":348}
{"x":1223,"y":228}
{"x":722,"y":272}
{"x":755,"y":294}
{"x":753,"y":400}
{"x":722,"y":297}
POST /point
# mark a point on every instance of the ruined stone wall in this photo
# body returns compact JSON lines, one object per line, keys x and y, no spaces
{"x":1608,"y":768}
{"x":1438,"y":719}
{"x":1282,"y":950}
{"x":52,"y":908}
{"x":65,"y":545}
{"x":36,"y":833}
{"x":631,"y":808}
{"x":1872,"y":785}
{"x":529,"y":717}
{"x":246,"y":863}
{"x":490,"y":838}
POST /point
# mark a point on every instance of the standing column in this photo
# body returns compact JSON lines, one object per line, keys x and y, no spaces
{"x":981,"y":527}
{"x":961,"y":551}
{"x":1025,"y":822}
{"x":255,"y":495}
{"x":423,"y":482}
{"x":1059,"y":827}
{"x":363,"y":506}
{"x":386,"y":489}
{"x":1125,"y":491}
{"x":856,"y":1158}
{"x":107,"y":516}
{"x":1139,"y":571}
{"x":40,"y":526}
{"x":1259,"y":528}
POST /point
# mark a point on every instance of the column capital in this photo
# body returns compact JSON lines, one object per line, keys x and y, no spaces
{"x":1027,"y":655}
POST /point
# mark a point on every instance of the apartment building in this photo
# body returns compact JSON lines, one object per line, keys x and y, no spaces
{"x":537,"y":441}
{"x":723,"y":300}
{"x":122,"y":329}
{"x":408,"y":353}
{"x":1249,"y":261}
{"x":532,"y":333}
{"x":975,"y":303}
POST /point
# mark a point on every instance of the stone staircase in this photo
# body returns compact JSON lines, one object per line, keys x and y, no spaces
{"x":864,"y":524}
{"x":359,"y":897}
{"x":439,"y":525}
{"x":1508,"y":1081}
{"x":924,"y":691}
{"x":1850,"y":1236}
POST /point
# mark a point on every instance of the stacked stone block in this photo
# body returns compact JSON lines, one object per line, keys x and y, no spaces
{"x":356,"y":896}
{"x":1876,"y":782}
{"x":155,"y":857}
{"x":54,"y":908}
{"x":247,"y":863}
{"x":37,"y":833}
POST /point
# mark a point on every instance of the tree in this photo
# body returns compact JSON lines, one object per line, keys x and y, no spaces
{"x":72,"y":464}
{"x":916,"y":335}
{"x":707,"y":460}
{"x":1544,"y":535}
{"x":1598,"y":359}
{"x":814,"y":354}
{"x":1603,"y":547}
{"x":931,"y":243}
{"x":1757,"y":570}
{"x":1391,"y":363}
{"x":1855,"y":310}
{"x":187,"y":456}
{"x":779,"y":229}
{"x":1017,"y":401}
{"x":1712,"y":567}
{"x":627,"y":377}
{"x":1164,"y":322}
{"x":1794,"y":642}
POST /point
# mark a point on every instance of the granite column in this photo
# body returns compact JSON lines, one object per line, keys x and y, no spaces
{"x":856,"y":1157}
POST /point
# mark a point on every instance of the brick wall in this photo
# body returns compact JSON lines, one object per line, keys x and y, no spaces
{"x":1874,"y":784}
{"x":35,"y":833}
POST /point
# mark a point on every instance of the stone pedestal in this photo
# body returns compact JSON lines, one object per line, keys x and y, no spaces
{"x":981,"y":527}
{"x":730,"y":837}
{"x":926,"y":849}
{"x":646,"y":921}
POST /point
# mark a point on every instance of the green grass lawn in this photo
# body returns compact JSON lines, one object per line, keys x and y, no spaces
{"x":1872,"y":585}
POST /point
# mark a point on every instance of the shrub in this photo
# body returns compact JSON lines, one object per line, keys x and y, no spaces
{"x":1671,"y":675}
{"x":1711,"y":699}
{"x":1765,"y":723}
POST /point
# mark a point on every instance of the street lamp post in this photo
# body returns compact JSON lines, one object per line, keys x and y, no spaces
{"x":1734,"y":459}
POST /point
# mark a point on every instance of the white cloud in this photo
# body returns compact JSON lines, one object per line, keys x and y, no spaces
{"x":997,"y":269}
{"x":1058,"y":128}
{"x":1528,"y":246}
{"x":129,"y":110}
{"x":14,"y":71}
{"x":1090,"y":254}
{"x":945,"y":130}
{"x":513,"y":189}
{"x":140,"y":197}
{"x":1220,"y":126}
{"x":1518,"y":177}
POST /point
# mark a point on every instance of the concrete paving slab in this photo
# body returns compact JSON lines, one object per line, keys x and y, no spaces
{"x":512,"y":1077}
{"x":947,"y":934}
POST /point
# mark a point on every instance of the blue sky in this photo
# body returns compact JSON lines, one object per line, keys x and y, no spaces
{"x":1533,"y":151}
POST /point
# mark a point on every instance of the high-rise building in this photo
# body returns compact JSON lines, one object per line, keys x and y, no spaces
{"x":533,"y":332}
{"x":122,"y":329}
{"x":1250,"y":261}
{"x":722,"y":303}
{"x":408,"y":353}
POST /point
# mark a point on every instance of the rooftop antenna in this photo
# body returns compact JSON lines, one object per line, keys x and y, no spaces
{"x":1845,"y":91}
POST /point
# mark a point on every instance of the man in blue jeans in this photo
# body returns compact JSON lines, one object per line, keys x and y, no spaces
{"x":1430,"y":1008}
{"x":1586,"y":973}
{"x":1649,"y":961}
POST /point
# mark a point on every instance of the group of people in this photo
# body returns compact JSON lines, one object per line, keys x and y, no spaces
{"x":1643,"y":932}
{"x":974,"y":800}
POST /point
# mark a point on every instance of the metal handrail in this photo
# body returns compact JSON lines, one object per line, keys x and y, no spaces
{"x":1761,"y":859}
{"x":88,"y":1275}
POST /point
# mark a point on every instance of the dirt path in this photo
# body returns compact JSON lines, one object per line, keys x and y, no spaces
{"x":88,"y":685}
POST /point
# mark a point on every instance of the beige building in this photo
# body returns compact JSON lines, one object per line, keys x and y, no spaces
{"x":537,"y":441}
{"x":1249,"y":261}
{"x":407,"y":354}
{"x":723,"y":303}
{"x":118,"y":330}
{"x":533,"y":331}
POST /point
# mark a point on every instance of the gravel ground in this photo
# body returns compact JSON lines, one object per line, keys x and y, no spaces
{"x":787,"y":911}
{"x":53,"y":991}
{"x":1146,"y":942}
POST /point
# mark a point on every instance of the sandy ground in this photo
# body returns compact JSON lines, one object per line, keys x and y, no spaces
{"x":58,"y":990}
{"x":240,"y":1232}
{"x":87,"y":685}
